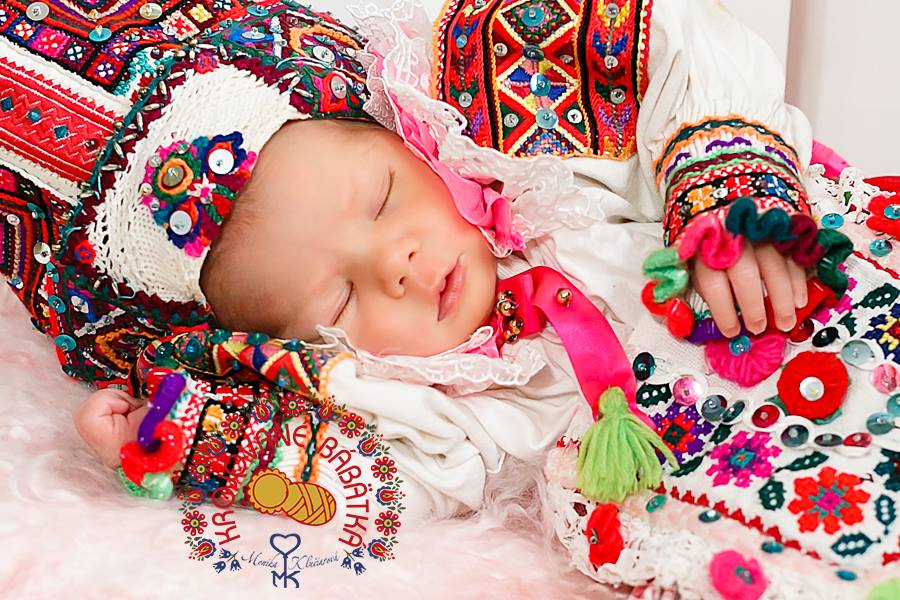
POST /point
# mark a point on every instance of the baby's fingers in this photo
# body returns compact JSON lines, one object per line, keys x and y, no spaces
{"x":774,"y":270}
{"x":747,"y":285}
{"x":798,"y":283}
{"x":715,"y":289}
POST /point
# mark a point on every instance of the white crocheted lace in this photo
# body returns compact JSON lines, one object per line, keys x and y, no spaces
{"x":828,"y":196}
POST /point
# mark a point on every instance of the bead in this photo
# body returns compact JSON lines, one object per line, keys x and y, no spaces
{"x":500,"y":49}
{"x":893,"y":405}
{"x":720,"y":192}
{"x":533,"y":16}
{"x":739,"y":345}
{"x":151,"y":11}
{"x":655,"y":502}
{"x":257,"y":339}
{"x":880,"y":423}
{"x":37,"y":11}
{"x":824,"y":337}
{"x":713,"y":407}
{"x":65,"y":342}
{"x":885,"y":378}
{"x":812,"y":388}
{"x":566,"y":58}
{"x":465,"y":99}
{"x":321,"y":53}
{"x":686,"y":390}
{"x":892,"y":211}
{"x":734,"y":411}
{"x":12,"y":219}
{"x":546,"y":118}
{"x":880,"y":247}
{"x":610,"y":62}
{"x":173,"y":176}
{"x":564,"y":296}
{"x":57,"y":304}
{"x":617,"y":95}
{"x":765,"y":416}
{"x":772,"y":547}
{"x":507,"y":308}
{"x":41,"y":253}
{"x":510,"y":120}
{"x":710,"y":516}
{"x":180,"y":222}
{"x":539,"y":84}
{"x":16,"y":282}
{"x":828,"y":440}
{"x":99,"y":34}
{"x":643,"y":366}
{"x":145,"y":189}
{"x":532,"y":52}
{"x":462,"y":40}
{"x":794,"y":435}
{"x":857,"y":353}
{"x":612,"y":10}
{"x":860,"y":439}
{"x":574,"y":116}
{"x":257,"y":11}
{"x":221,"y":161}
{"x":221,"y":335}
{"x":338,"y":87}
{"x":193,"y":349}
{"x":846,"y":575}
{"x":832,"y":221}
{"x":154,"y":161}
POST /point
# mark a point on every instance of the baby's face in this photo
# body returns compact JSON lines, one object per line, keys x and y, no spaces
{"x":343,"y":225}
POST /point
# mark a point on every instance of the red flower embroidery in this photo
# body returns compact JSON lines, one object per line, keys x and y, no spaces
{"x":813,"y":385}
{"x":231,"y":427}
{"x":194,"y":522}
{"x":604,"y":535}
{"x":387,"y":522}
{"x":828,"y":500}
{"x":384,"y":468}
{"x":352,"y":425}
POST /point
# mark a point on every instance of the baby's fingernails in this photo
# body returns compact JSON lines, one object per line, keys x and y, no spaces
{"x":800,"y":300}
{"x":787,"y":324}
{"x":757,"y":326}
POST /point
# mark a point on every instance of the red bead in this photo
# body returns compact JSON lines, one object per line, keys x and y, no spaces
{"x":765,"y":416}
{"x":859,"y":439}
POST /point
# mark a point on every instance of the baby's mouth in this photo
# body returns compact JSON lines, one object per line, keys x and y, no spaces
{"x":448,"y":297}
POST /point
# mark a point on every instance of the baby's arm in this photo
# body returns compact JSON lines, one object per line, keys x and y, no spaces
{"x":108,"y":419}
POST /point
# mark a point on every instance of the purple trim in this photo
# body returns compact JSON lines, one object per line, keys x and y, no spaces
{"x":168,"y":391}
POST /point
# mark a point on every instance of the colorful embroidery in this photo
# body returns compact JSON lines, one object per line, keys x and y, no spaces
{"x":682,"y":430}
{"x":565,"y":77}
{"x":744,"y":458}
{"x":829,"y":499}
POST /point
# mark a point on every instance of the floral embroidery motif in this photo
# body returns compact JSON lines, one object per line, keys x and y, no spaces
{"x":683,"y":430}
{"x":194,"y":522}
{"x":828,"y":500}
{"x":384,"y":468}
{"x":387,"y":523}
{"x":744,"y":458}
{"x":352,"y":425}
{"x":189,"y":188}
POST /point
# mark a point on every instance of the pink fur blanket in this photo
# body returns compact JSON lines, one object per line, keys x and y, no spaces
{"x":67,"y":527}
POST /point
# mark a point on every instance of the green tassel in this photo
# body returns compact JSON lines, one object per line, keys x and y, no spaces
{"x":617,"y":455}
{"x":889,"y":589}
{"x":668,"y":271}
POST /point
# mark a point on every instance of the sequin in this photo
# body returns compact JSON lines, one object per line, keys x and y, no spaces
{"x":57,"y":304}
{"x":772,"y":547}
{"x":462,"y":40}
{"x":643,"y":366}
{"x":173,"y":176}
{"x":533,"y":16}
{"x":41,"y":252}
{"x":610,"y":62}
{"x":739,"y":345}
{"x":828,"y":440}
{"x":546,"y":118}
{"x":893,"y":405}
{"x":16,"y":282}
{"x":180,"y":222}
{"x":892,"y":211}
{"x":500,"y":49}
{"x":465,"y":99}
{"x":860,"y":439}
{"x":510,"y":120}
{"x":221,"y":161}
{"x":37,"y":11}
{"x":574,"y":116}
{"x":151,"y":11}
{"x":846,"y":575}
{"x":794,"y":435}
{"x":713,"y":407}
{"x":857,"y":353}
{"x":812,"y":388}
{"x":832,"y":221}
{"x":612,"y":10}
{"x":885,"y":378}
{"x":12,"y":219}
{"x":617,"y":95}
{"x":880,"y":423}
{"x":532,"y":52}
{"x":154,"y":161}
{"x":539,"y":84}
{"x":257,"y":11}
{"x":338,"y":87}
{"x":765,"y":416}
{"x":655,"y":502}
{"x":710,"y":516}
{"x":65,"y":342}
{"x":880,"y":247}
{"x":324,"y":54}
{"x":734,"y":411}
{"x":257,"y":339}
{"x":824,"y":337}
{"x":687,"y":390}
{"x":99,"y":34}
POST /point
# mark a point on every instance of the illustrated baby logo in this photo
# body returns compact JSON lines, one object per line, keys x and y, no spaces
{"x":320,"y":470}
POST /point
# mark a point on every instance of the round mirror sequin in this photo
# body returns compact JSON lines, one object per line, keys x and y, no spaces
{"x":857,"y":353}
{"x":687,"y":390}
{"x":713,"y":407}
{"x":734,"y":411}
{"x":880,"y":423}
{"x":643,"y":366}
{"x":151,"y":11}
{"x":794,"y":435}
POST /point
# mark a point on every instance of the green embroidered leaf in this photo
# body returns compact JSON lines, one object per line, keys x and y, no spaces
{"x":651,"y":394}
{"x":852,"y":544}
{"x":688,"y":467}
{"x":771,"y":495}
{"x":473,"y":88}
{"x":881,"y":296}
{"x":885,"y":510}
{"x":849,"y":321}
{"x":806,"y":462}
{"x":720,"y":434}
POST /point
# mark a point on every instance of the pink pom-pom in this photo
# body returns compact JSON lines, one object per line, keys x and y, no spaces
{"x":735,"y":577}
{"x":748,"y":367}
{"x":718,"y":248}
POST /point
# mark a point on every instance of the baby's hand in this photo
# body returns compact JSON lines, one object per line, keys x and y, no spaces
{"x":785,"y":283}
{"x":107,"y":420}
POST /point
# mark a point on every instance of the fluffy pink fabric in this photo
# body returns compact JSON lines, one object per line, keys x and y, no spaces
{"x":68,"y":529}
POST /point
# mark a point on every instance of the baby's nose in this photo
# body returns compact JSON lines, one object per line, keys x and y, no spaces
{"x":394,"y":266}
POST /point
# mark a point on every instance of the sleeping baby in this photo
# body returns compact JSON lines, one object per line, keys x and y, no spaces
{"x":291,"y":220}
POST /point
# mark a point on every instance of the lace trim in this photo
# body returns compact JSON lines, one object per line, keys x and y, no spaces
{"x":460,"y":373}
{"x":849,"y":196}
{"x":544,"y":189}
